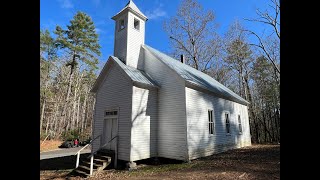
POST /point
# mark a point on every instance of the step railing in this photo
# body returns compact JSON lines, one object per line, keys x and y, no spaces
{"x":115,"y":154}
{"x":78,"y":152}
{"x":94,"y":152}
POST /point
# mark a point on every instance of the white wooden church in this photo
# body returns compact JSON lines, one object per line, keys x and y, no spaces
{"x":158,"y":106}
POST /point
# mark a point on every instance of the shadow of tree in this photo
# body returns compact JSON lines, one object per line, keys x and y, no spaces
{"x":61,"y":163}
{"x":256,"y":162}
{"x":144,"y":122}
{"x":202,"y":144}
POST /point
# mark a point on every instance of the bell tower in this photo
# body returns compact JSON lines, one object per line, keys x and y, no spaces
{"x":129,"y":34}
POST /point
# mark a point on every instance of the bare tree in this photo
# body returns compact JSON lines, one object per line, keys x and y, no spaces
{"x":266,"y":73}
{"x":192,"y":33}
{"x":238,"y":57}
{"x":270,"y":47}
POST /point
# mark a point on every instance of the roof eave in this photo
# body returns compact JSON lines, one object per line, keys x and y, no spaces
{"x":139,"y":84}
{"x":142,"y":16}
{"x":240,"y":101}
{"x":97,"y":83}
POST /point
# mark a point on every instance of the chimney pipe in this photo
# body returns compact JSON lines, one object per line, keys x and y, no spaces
{"x":182,"y":59}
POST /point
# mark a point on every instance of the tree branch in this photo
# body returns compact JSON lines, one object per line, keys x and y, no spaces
{"x":261,"y":46}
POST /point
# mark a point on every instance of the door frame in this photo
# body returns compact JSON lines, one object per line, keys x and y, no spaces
{"x":110,"y":117}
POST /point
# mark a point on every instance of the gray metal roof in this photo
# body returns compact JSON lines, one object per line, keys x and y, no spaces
{"x":136,"y":75}
{"x":196,"y":77}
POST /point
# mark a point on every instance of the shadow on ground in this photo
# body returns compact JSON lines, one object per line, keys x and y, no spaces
{"x":258,"y":162}
{"x":61,"y":163}
{"x":255,"y":162}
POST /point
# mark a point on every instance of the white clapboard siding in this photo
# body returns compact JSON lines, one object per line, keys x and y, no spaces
{"x":200,"y":142}
{"x":120,"y":38}
{"x":171,"y":108}
{"x":115,"y":92}
{"x":135,"y":40}
{"x":144,"y":122}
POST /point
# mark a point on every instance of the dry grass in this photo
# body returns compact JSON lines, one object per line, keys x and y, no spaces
{"x":49,"y":145}
{"x":250,"y":163}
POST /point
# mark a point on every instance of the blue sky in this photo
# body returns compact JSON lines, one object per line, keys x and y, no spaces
{"x":60,"y":12}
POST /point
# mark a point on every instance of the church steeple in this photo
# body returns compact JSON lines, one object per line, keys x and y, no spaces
{"x":134,"y":8}
{"x":129,"y":34}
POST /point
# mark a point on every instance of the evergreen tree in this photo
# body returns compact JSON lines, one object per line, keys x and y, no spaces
{"x":80,"y":40}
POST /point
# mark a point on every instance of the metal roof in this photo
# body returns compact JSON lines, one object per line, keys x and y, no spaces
{"x":136,"y":75}
{"x":134,"y":8}
{"x":196,"y":77}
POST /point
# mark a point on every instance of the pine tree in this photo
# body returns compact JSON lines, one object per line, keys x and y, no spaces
{"x":80,"y":40}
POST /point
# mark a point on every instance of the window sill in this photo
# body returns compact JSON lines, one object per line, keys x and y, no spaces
{"x":228,"y":134}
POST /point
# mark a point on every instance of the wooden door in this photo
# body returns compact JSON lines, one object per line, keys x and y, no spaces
{"x":110,"y":129}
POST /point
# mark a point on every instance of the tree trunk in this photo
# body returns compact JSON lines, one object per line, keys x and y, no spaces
{"x":240,"y":88}
{"x":83,"y":112}
{"x":73,"y":65}
{"x":67,"y":127}
{"x":270,"y":119}
{"x":278,"y":124}
{"x":194,"y":54}
{"x":251,"y":110}
{"x":74,"y":109}
{"x":42,"y":114}
{"x":265,"y":126}
{"x":47,"y":126}
{"x":78,"y":110}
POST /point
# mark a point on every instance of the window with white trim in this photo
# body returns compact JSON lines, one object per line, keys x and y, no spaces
{"x":240,"y":126}
{"x":211,"y":121}
{"x":227,"y":117}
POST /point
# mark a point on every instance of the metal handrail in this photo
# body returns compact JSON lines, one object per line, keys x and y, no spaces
{"x":108,"y":142}
{"x":92,"y":154}
{"x":88,"y":144}
{"x":82,"y":148}
{"x":78,"y":152}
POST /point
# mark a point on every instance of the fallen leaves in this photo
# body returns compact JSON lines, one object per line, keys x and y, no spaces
{"x":49,"y":145}
{"x":249,"y":163}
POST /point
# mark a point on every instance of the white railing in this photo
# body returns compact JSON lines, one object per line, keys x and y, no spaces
{"x":94,"y":152}
{"x":78,"y":152}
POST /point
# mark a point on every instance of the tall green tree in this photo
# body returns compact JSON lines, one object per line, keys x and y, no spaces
{"x":48,"y":48}
{"x":80,"y":40}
